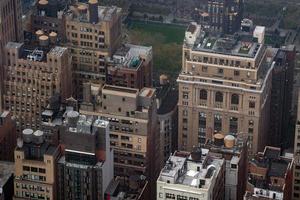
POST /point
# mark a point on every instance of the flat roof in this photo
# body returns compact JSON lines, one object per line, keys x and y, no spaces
{"x":237,"y":45}
{"x":120,"y":89}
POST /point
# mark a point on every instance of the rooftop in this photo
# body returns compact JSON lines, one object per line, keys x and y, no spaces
{"x":105,"y":13}
{"x":120,"y":89}
{"x":130,"y":56}
{"x":239,"y":44}
{"x":185,"y":170}
{"x":275,"y":166}
{"x":227,"y":45}
{"x":35,"y":52}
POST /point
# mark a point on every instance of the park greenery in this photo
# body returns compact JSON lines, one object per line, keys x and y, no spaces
{"x":166,"y":41}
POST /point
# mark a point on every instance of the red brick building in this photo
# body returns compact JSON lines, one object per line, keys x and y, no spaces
{"x":130,"y":66}
{"x":7,"y":136}
{"x":270,"y":175}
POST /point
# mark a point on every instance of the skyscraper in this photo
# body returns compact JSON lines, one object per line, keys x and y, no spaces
{"x":224,"y":86}
{"x":225,"y":15}
{"x":10,"y":30}
{"x":134,"y":135}
{"x":93,"y":34}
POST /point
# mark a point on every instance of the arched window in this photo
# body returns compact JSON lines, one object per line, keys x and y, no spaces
{"x":219,"y":97}
{"x":235,"y":99}
{"x":203,"y":94}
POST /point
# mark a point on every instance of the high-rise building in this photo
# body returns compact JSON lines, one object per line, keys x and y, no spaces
{"x":10,"y":30}
{"x":86,"y":167}
{"x":270,"y":175}
{"x":49,"y":17}
{"x":8,"y":136}
{"x":225,"y":15}
{"x":93,"y":34}
{"x":195,"y":175}
{"x":134,"y":136}
{"x":281,"y":97}
{"x":224,"y":86}
{"x":33,"y":74}
{"x":296,"y":167}
{"x":35,"y":167}
{"x":130,"y":66}
{"x":167,"y":114}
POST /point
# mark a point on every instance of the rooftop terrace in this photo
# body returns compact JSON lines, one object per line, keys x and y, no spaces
{"x":229,"y":45}
{"x":184,"y":170}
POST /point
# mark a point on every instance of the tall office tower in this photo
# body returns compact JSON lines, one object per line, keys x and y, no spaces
{"x":270,"y":175}
{"x":225,"y":15}
{"x":296,"y":167}
{"x":133,"y":127}
{"x":281,"y":97}
{"x":130,"y":66}
{"x":35,"y":167}
{"x":93,"y":34}
{"x":48,"y":16}
{"x":10,"y":30}
{"x":86,"y":168}
{"x":235,"y":152}
{"x":194,"y":175}
{"x":8,"y":136}
{"x":224,"y":86}
{"x":33,"y":74}
{"x":167,"y":114}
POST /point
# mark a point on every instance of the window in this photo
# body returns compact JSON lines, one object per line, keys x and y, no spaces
{"x":236,"y":72}
{"x":235,"y":99}
{"x":34,"y":169}
{"x":251,"y":104}
{"x":217,"y":123}
{"x":251,"y":122}
{"x":185,"y":95}
{"x":203,"y":94}
{"x":219,"y":97}
{"x":233,"y":125}
{"x":26,"y":168}
{"x":204,"y":68}
{"x":220,"y":71}
{"x":185,"y":113}
{"x":202,"y":127}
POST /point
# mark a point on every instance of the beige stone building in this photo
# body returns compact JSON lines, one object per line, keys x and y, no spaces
{"x":35,"y":167}
{"x":133,"y":127}
{"x":93,"y":34}
{"x":10,"y":30}
{"x":224,"y":86}
{"x":33,"y":74}
{"x":296,"y":170}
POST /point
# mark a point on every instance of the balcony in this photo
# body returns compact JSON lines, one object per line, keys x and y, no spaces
{"x":203,"y":103}
{"x":218,"y":105}
{"x":234,"y":107}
